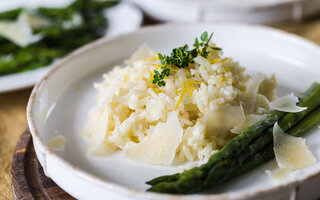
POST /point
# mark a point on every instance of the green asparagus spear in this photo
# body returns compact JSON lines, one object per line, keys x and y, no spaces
{"x":288,"y":121}
{"x":160,"y":179}
{"x":220,"y":165}
{"x":23,"y":60}
{"x":312,"y":120}
{"x":100,"y":5}
{"x":266,"y":137}
{"x":11,"y":14}
{"x":7,"y":47}
{"x":56,"y":14}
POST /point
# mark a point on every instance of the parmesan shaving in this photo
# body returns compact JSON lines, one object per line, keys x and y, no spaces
{"x":58,"y":143}
{"x":287,"y":104}
{"x":222,"y":120}
{"x":33,"y":20}
{"x":279,"y":174}
{"x":20,"y":31}
{"x":96,"y":130}
{"x":249,"y":121}
{"x":291,"y":152}
{"x":252,"y":90}
{"x":160,"y":148}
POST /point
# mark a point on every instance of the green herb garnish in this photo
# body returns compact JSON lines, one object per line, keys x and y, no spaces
{"x":181,"y":57}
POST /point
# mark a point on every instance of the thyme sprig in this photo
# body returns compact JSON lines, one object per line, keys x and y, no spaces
{"x":181,"y":57}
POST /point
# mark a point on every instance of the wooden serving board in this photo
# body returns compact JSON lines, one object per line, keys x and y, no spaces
{"x":28,"y":179}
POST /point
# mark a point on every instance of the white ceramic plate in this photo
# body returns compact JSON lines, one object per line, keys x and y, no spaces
{"x":249,"y":11}
{"x":122,"y":18}
{"x":60,"y":101}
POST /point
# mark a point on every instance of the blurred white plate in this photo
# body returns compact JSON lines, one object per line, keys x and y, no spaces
{"x":121,"y":19}
{"x":60,"y":102}
{"x":248,"y":11}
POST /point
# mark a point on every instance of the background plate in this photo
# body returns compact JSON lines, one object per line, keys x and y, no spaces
{"x":248,"y":11}
{"x":122,"y":18}
{"x":60,"y":102}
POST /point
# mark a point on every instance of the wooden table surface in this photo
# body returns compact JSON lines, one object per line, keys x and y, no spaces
{"x":13,"y":109}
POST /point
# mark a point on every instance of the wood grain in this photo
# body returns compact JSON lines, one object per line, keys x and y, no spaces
{"x":28,"y":179}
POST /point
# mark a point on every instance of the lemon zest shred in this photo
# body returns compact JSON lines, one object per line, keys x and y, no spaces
{"x":179,"y":91}
{"x":190,"y":88}
{"x":223,"y":79}
{"x":243,"y":87}
{"x":187,"y":87}
{"x":190,"y":85}
{"x":226,"y":69}
{"x":184,"y":84}
{"x":154,"y":58}
{"x":157,"y":90}
{"x":179,"y":100}
{"x":125,"y":79}
{"x":216,"y":60}
{"x":196,"y":82}
{"x":157,"y":66}
{"x":151,"y":77}
{"x":226,"y":60}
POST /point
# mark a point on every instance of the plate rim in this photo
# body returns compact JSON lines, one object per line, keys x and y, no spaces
{"x":229,"y":5}
{"x":108,"y":185}
{"x":35,"y":73}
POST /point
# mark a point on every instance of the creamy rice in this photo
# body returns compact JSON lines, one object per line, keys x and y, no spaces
{"x":193,"y":116}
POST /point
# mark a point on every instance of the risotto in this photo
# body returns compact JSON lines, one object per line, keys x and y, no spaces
{"x":196,"y":112}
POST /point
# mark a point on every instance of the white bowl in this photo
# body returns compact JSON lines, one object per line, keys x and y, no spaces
{"x":249,"y":11}
{"x":58,"y":107}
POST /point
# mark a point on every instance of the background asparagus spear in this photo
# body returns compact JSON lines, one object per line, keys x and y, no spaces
{"x":62,"y":35}
{"x":197,"y":178}
{"x":11,"y":14}
{"x":23,"y":60}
